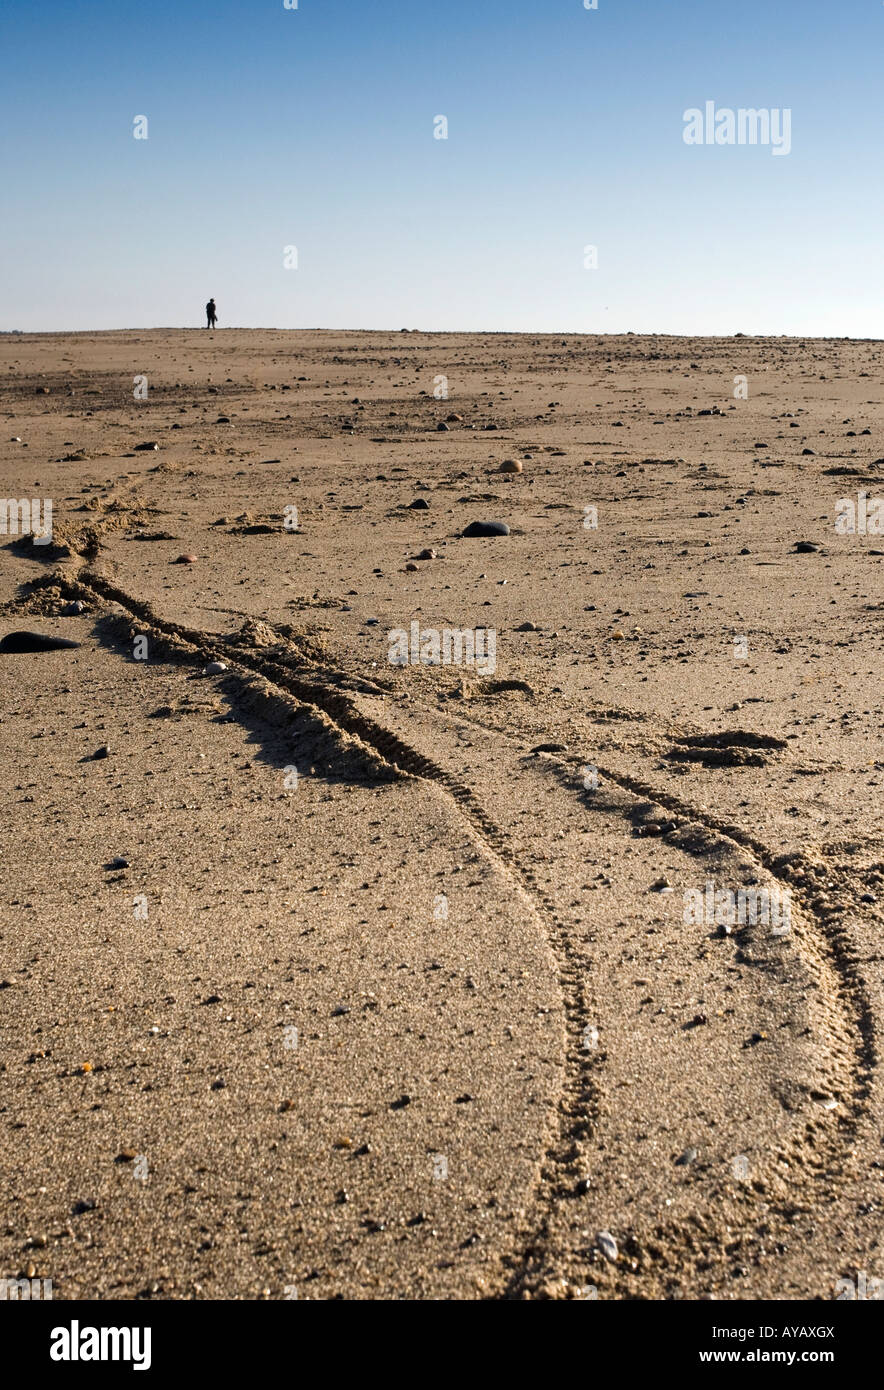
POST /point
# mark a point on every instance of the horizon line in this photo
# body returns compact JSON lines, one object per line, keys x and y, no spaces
{"x":437,"y":332}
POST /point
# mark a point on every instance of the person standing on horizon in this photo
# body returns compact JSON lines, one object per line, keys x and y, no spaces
{"x":211,"y":314}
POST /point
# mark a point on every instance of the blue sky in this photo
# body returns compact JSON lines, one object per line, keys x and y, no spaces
{"x":314,"y":127}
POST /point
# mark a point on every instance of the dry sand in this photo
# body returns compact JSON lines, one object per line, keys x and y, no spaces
{"x":423,"y":1018}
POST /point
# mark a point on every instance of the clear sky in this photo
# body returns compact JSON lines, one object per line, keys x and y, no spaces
{"x":314,"y":128}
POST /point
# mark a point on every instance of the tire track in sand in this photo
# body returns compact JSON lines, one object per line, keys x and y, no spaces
{"x":850,"y":1017}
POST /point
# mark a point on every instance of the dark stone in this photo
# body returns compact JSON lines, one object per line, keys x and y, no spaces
{"x":34,"y":642}
{"x":486,"y":528}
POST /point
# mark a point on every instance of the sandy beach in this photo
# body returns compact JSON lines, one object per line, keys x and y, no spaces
{"x":330,"y":976}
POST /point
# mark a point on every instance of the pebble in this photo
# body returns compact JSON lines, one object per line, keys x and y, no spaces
{"x":34,"y":642}
{"x":78,"y":606}
{"x":511,"y":466}
{"x":118,"y":863}
{"x":426,"y":555}
{"x":607,"y":1244}
{"x":214,"y":668}
{"x":420,"y":504}
{"x":686,"y":1157}
{"x":149,"y":445}
{"x":102,"y":752}
{"x":185,"y":560}
{"x":527,"y":627}
{"x":486,"y":528}
{"x":442,"y":426}
{"x":806,"y":547}
{"x":660,"y":883}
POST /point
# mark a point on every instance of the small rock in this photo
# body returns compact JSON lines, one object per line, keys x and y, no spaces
{"x":511,"y":466}
{"x":426,"y":555}
{"x":442,"y":426}
{"x":401,"y":1103}
{"x":420,"y":504}
{"x":185,"y":560}
{"x":34,"y":642}
{"x":686,"y":1157}
{"x":607,"y":1244}
{"x":214,"y":668}
{"x":486,"y":528}
{"x":118,"y":863}
{"x":660,"y":884}
{"x":806,"y":547}
{"x":102,"y":752}
{"x":148,"y":447}
{"x":527,"y":627}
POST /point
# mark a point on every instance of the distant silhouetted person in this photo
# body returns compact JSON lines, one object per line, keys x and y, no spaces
{"x":211,"y":314}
